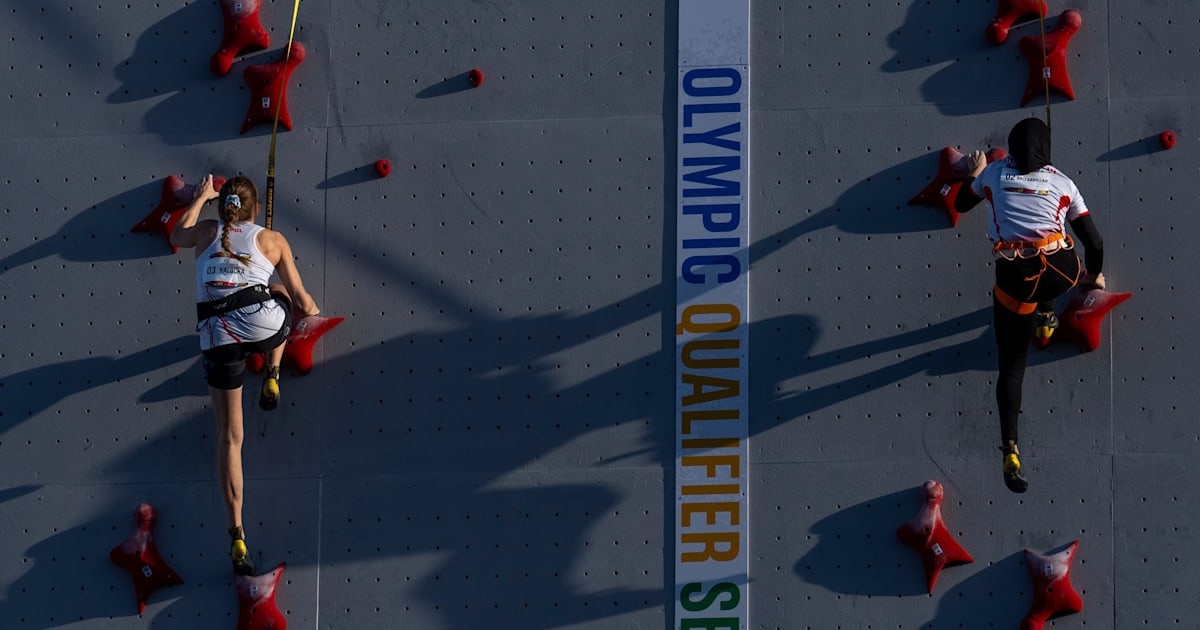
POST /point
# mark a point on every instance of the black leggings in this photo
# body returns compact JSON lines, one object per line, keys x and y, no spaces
{"x":1039,"y":280}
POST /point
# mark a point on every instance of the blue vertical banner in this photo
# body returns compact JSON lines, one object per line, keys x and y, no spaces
{"x":711,"y":546}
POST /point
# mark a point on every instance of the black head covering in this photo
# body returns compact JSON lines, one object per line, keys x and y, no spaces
{"x":1029,"y":144}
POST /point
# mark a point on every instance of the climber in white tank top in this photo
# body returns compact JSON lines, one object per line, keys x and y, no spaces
{"x":239,"y":312}
{"x":220,"y":274}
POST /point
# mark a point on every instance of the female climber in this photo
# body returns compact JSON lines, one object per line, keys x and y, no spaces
{"x":239,"y":312}
{"x":1031,"y":202}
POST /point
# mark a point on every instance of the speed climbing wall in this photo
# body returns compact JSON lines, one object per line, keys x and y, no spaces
{"x":488,"y":438}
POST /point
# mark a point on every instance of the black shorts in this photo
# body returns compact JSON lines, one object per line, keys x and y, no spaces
{"x":225,"y":366}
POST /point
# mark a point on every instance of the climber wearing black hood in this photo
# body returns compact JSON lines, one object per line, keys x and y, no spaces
{"x":1031,"y":201}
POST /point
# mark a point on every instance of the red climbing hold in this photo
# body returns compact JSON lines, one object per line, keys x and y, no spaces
{"x":953,"y":167}
{"x":266,"y":97}
{"x":1167,"y":138}
{"x":927,"y":533}
{"x":139,"y":556}
{"x":475,"y":77}
{"x":1054,"y":69}
{"x":1083,"y":316}
{"x":299,"y":350}
{"x":176,"y":197}
{"x":383,"y":167}
{"x":256,"y":601}
{"x":1008,"y":13}
{"x":1053,"y":594}
{"x":305,"y":335}
{"x":243,"y":32}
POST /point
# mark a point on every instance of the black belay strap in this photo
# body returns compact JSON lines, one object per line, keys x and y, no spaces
{"x":246,"y":297}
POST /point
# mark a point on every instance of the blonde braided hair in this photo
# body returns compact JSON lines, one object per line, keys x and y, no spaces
{"x":237,"y":202}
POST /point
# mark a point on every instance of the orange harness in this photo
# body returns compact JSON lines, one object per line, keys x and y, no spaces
{"x":1029,"y":249}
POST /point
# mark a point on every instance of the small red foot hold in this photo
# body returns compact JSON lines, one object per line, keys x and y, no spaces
{"x":383,"y":167}
{"x":1008,"y":13}
{"x":1167,"y":139}
{"x":176,"y":197}
{"x":256,"y":601}
{"x":953,"y":167}
{"x":139,"y":556}
{"x":1053,"y":594}
{"x":243,"y":33}
{"x":475,"y":77}
{"x":299,"y":350}
{"x":264,"y":87}
{"x":1054,"y":69}
{"x":927,"y":533}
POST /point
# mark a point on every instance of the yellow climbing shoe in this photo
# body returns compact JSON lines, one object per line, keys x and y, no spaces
{"x":1047,"y":323}
{"x":269,"y":398}
{"x":239,"y":554}
{"x":1012,"y":469}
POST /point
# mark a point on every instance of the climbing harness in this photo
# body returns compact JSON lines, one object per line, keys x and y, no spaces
{"x":1011,"y":250}
{"x":248,"y":296}
{"x":287,"y":55}
{"x":1029,"y":249}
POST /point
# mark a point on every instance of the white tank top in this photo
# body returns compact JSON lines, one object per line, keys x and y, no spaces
{"x":219,"y":275}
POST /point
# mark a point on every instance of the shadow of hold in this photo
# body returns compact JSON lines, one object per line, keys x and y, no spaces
{"x":1137,"y":148}
{"x":856,"y":551}
{"x":74,"y":562}
{"x":352,"y":177}
{"x":458,"y":83}
{"x":996,"y":596}
{"x":8,"y":494}
{"x":182,"y":103}
{"x":875,"y":205}
{"x":94,"y":234}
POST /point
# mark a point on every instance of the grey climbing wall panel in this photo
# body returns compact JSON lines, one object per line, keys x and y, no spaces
{"x":486,"y":440}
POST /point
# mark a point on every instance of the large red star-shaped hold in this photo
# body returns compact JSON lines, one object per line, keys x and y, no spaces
{"x":927,"y":533}
{"x":266,"y":97}
{"x":953,"y":168}
{"x":298,"y":352}
{"x":1055,"y":64}
{"x":139,"y":556}
{"x":1053,"y":594}
{"x":243,"y":32}
{"x":176,"y":197}
{"x":256,"y":601}
{"x":1008,"y":12}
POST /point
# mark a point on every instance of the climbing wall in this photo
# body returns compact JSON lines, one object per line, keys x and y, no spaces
{"x":487,"y":439}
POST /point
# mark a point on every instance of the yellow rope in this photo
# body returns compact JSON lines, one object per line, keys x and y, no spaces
{"x":287,"y":56}
{"x":1045,"y":64}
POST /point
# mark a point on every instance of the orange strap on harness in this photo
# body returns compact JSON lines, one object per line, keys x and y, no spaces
{"x":1011,"y":303}
{"x":1038,"y":244}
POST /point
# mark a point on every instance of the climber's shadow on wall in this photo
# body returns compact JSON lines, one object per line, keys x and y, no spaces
{"x":30,"y":392}
{"x":791,"y":359}
{"x":856,"y":551}
{"x":171,"y":60}
{"x":995,"y":595}
{"x":977,"y":77}
{"x":504,"y":569}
